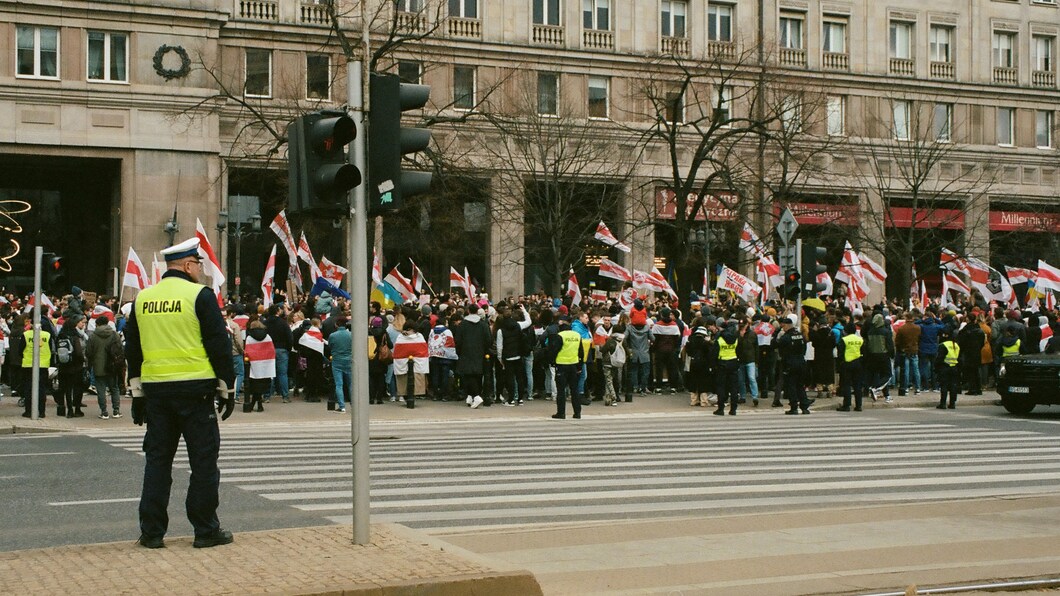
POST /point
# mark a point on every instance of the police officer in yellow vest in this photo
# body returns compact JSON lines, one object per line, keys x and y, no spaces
{"x":727,"y":374}
{"x":568,"y":352}
{"x":179,"y":356}
{"x":947,"y":363}
{"x":851,"y":373}
{"x":46,"y":350}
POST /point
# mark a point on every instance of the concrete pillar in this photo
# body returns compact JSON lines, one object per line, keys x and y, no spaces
{"x":977,"y":226}
{"x":871,"y":207}
{"x":506,"y":250}
{"x":640,"y":212}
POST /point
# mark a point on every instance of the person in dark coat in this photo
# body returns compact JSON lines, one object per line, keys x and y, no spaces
{"x":700,"y":350}
{"x":472,"y":344}
{"x":970,"y":341}
{"x":377,"y":338}
{"x":71,"y":373}
{"x":791,"y":348}
{"x":822,"y":371}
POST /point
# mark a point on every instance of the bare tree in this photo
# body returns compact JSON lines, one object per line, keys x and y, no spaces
{"x":919,"y":175}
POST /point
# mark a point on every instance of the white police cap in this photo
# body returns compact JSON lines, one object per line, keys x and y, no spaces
{"x":188,"y":248}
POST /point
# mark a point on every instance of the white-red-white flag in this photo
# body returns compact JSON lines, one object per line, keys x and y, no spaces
{"x":401,"y":284}
{"x":749,"y":242}
{"x":158,"y":267}
{"x":313,"y":338}
{"x":417,"y":277}
{"x":706,"y":282}
{"x":826,"y":280}
{"x":738,"y":284}
{"x":660,"y":281}
{"x":282,"y":229}
{"x":268,"y":278}
{"x":626,"y":298}
{"x":1047,"y":334}
{"x":955,"y":283}
{"x":377,"y":269}
{"x":924,"y":300}
{"x":306,"y":256}
{"x":469,"y":288}
{"x":598,"y":295}
{"x":332,"y":272}
{"x":573,"y":289}
{"x":951,"y":261}
{"x":1020,"y":275}
{"x":1048,"y":277}
{"x":211,"y":265}
{"x":853,"y":274}
{"x":456,"y":280}
{"x":871,"y":270}
{"x":771,"y":269}
{"x":613,"y":270}
{"x":604,"y":235}
{"x":135,"y":275}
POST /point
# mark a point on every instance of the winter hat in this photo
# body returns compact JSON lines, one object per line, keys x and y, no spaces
{"x":563,"y":310}
{"x":638,"y":303}
{"x":76,"y":291}
{"x":376,"y":322}
{"x":425,"y":309}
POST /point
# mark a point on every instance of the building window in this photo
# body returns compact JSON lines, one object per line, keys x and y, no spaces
{"x":723,"y":107}
{"x":1043,"y":53}
{"x":318,"y":76}
{"x":673,"y":18}
{"x":259,"y":73}
{"x":941,"y":43}
{"x":835,"y":111}
{"x":547,"y":93}
{"x":675,"y":107}
{"x":546,"y":12}
{"x":719,"y":22}
{"x":791,"y":32}
{"x":942,"y":122}
{"x":902,"y":111}
{"x":410,"y":71}
{"x":37,"y":53}
{"x":598,"y":104}
{"x":835,"y":37}
{"x":1006,"y":126}
{"x":408,"y":5}
{"x":1004,"y":49}
{"x":1043,"y":129}
{"x":596,"y":14}
{"x":901,"y":40}
{"x":463,"y":87}
{"x":108,"y":57}
{"x":465,"y":9}
{"x":791,"y":114}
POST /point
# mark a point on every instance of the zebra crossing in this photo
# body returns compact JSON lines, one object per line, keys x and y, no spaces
{"x":491,"y":473}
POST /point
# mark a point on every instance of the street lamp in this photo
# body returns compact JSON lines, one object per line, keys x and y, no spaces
{"x":171,"y":227}
{"x":244,"y":219}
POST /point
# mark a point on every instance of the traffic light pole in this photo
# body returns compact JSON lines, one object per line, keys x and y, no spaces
{"x":34,"y":391}
{"x":358,"y":267}
{"x":798,"y":299}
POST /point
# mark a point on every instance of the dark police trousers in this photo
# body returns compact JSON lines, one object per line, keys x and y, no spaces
{"x":167,"y":419}
{"x":852,"y":382}
{"x":728,"y":385}
{"x":567,"y":379}
{"x":795,"y":387}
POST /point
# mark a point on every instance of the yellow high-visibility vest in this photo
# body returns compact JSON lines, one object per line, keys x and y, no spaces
{"x":852,"y":347}
{"x":572,"y":343}
{"x":1012,"y":350}
{"x":170,"y":336}
{"x":953,"y":351}
{"x":45,"y":350}
{"x":726,"y":350}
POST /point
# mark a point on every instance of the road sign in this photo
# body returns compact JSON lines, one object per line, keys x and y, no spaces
{"x":786,"y":226}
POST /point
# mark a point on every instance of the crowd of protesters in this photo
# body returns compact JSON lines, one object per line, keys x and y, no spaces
{"x":721,"y":351}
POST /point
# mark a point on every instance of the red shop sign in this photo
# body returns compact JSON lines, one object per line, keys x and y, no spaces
{"x":946,"y":219}
{"x":1024,"y":221}
{"x":719,"y":207}
{"x":816,"y":214}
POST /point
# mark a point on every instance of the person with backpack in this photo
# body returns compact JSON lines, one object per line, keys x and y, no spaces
{"x":70,"y":360}
{"x":613,"y":359}
{"x":105,"y":356}
{"x":380,"y":357}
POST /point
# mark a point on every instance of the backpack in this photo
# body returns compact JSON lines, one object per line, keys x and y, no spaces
{"x":618,"y":357}
{"x":638,"y":316}
{"x":115,"y":358}
{"x":64,"y":350}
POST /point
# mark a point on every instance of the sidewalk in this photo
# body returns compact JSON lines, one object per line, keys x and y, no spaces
{"x":319,"y":560}
{"x":426,"y":410}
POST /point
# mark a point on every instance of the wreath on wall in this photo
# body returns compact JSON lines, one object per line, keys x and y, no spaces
{"x":172,"y":73}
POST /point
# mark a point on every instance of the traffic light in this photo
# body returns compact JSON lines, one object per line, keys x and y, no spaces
{"x":388,"y":141}
{"x":319,"y":177}
{"x":811,"y":267}
{"x":791,"y":284}
{"x":53,"y":273}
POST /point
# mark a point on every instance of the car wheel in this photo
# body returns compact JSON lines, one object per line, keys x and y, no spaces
{"x":1017,"y":406}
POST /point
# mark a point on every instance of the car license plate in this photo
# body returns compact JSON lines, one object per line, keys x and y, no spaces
{"x":1019,"y":389}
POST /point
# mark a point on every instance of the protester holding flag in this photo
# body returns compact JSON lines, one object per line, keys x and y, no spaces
{"x":309,"y":344}
{"x":261,"y":364}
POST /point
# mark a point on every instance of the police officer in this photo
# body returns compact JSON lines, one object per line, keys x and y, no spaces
{"x":947,"y":363}
{"x":180,"y":359}
{"x":791,"y":346}
{"x":569,"y":356}
{"x":728,"y":372}
{"x":851,"y":373}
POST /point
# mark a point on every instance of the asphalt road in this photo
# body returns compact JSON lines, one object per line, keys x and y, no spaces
{"x":72,"y":488}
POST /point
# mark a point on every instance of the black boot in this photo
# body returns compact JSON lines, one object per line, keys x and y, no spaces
{"x":248,"y":406}
{"x":257,"y":400}
{"x":60,"y":411}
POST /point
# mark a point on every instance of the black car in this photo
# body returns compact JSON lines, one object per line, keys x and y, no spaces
{"x":1029,"y":380}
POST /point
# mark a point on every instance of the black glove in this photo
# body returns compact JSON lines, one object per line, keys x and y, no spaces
{"x":226,"y":399}
{"x":139,"y":410}
{"x":139,"y":403}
